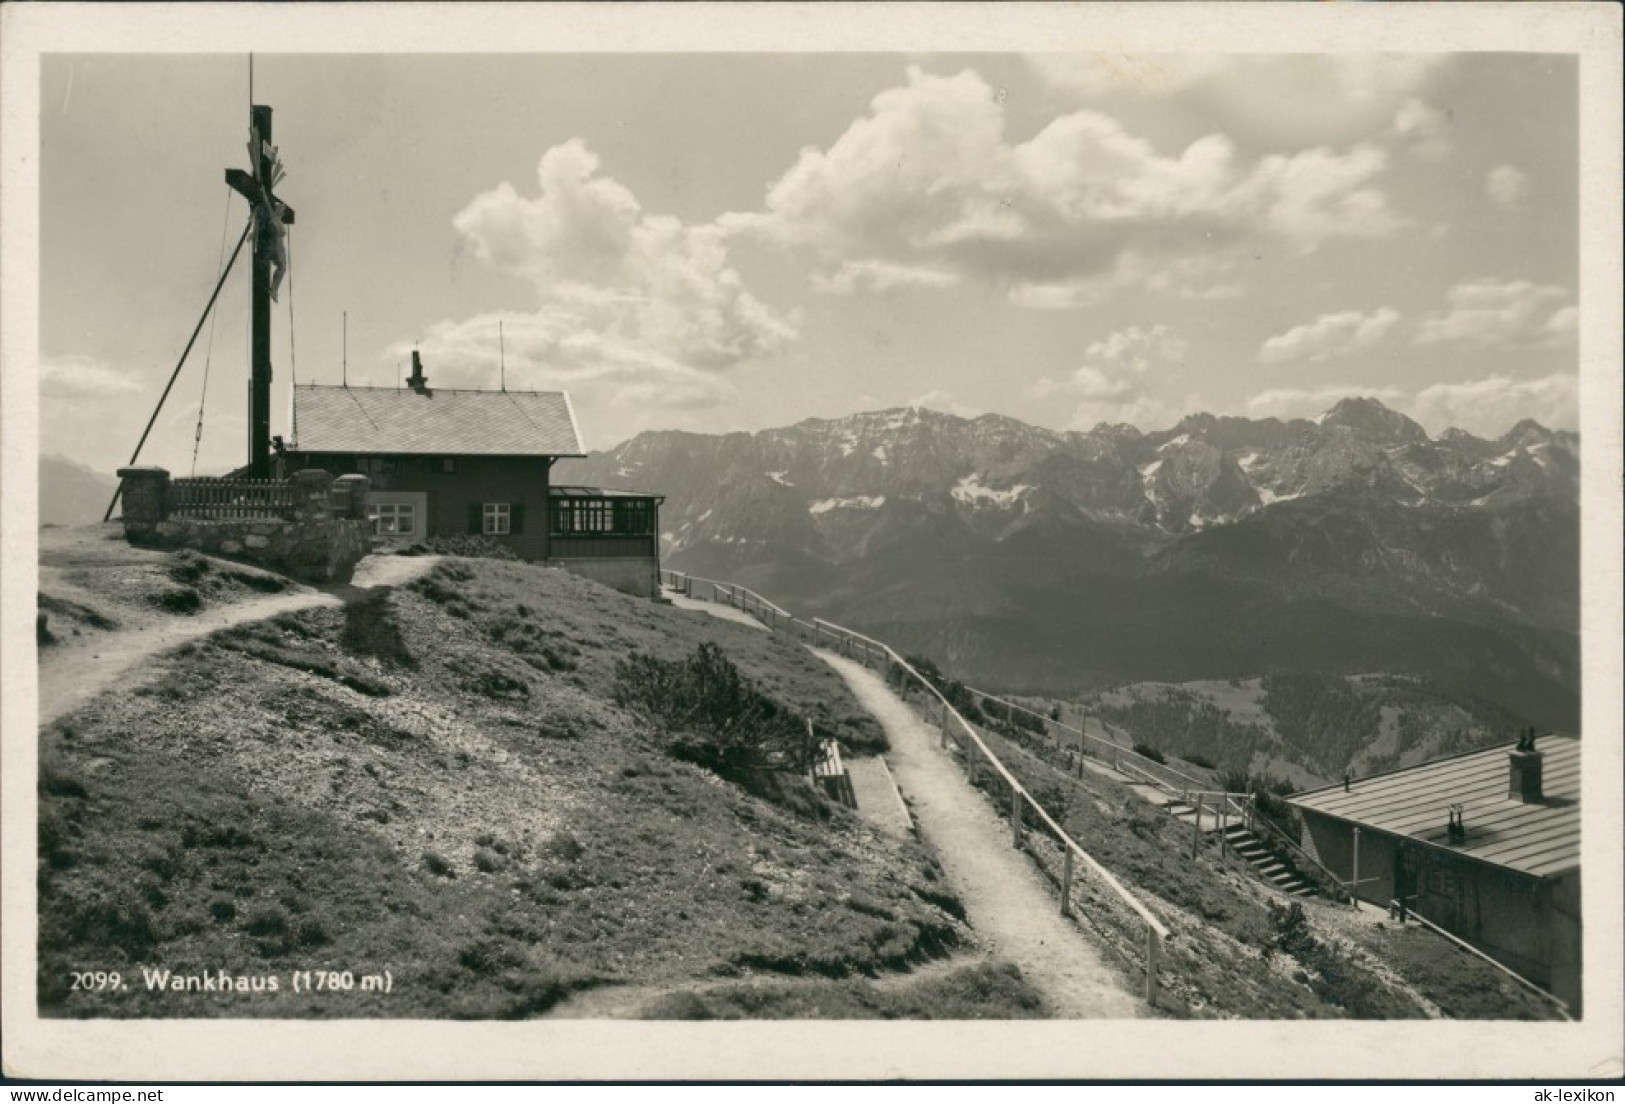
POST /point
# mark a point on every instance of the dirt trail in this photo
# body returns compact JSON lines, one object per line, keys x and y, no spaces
{"x":72,"y":674}
{"x":722,"y":613}
{"x":1005,"y":898}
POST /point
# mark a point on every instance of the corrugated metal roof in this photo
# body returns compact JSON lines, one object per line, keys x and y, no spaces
{"x":383,"y":421}
{"x":1540,"y":839}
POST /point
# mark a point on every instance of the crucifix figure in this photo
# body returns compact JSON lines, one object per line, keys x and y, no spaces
{"x":271,"y":217}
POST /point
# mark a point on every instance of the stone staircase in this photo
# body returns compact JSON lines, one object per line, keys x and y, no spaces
{"x":1269,"y":866}
{"x":1246,"y":845}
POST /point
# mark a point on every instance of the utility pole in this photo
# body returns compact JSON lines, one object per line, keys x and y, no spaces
{"x":270,"y":263}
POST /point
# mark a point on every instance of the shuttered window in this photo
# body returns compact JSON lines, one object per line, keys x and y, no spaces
{"x":496,"y":519}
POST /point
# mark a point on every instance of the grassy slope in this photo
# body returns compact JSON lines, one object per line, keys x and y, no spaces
{"x":1226,"y":956}
{"x":1306,"y":728}
{"x":433,"y":782}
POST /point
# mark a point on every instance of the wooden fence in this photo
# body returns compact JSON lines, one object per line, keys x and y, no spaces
{"x":955,"y":729}
{"x":230,"y":499}
{"x":1169,"y":779}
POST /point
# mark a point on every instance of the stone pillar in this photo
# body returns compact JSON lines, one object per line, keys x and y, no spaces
{"x":145,"y":493}
{"x":310,"y":495}
{"x":352,"y":490}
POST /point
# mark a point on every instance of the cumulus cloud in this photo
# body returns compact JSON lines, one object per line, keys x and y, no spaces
{"x":929,"y":182}
{"x":624,"y":297}
{"x":1491,"y":406}
{"x":1334,"y":98}
{"x":1508,"y":186}
{"x":1307,"y":402}
{"x":1329,"y":335}
{"x":1138,"y":348}
{"x":1487,"y":313}
{"x":1111,"y":386}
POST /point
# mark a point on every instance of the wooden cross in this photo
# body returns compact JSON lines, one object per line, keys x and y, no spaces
{"x":270,"y":252}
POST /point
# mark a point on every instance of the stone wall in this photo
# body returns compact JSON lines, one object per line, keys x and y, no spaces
{"x":635,"y":575}
{"x":320,"y":538}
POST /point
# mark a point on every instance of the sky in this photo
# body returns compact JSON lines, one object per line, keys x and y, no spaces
{"x":720,"y":242}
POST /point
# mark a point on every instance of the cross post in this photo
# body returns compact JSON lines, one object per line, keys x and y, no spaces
{"x":270,"y":253}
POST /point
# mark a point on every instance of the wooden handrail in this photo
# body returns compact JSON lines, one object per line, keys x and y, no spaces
{"x":1562,"y":1005}
{"x":1156,"y":930}
{"x":1118,"y":749}
{"x":1325,"y":872}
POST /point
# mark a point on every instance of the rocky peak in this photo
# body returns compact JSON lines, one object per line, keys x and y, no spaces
{"x":1374,"y":422}
{"x":1526,"y":433}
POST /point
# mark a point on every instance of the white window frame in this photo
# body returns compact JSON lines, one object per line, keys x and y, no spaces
{"x":394,"y":513}
{"x":498,"y":519}
{"x":400,"y":505}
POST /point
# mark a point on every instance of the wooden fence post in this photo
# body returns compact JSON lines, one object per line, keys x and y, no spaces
{"x":1066,"y":881}
{"x":1153,"y":949}
{"x":1196,"y":828}
{"x":1015,"y":816}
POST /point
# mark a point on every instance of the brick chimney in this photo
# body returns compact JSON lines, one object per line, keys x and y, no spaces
{"x":417,"y":381}
{"x":1523,"y":781}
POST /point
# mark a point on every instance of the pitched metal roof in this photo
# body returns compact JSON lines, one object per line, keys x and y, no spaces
{"x":385,"y":421}
{"x":1541,"y":839}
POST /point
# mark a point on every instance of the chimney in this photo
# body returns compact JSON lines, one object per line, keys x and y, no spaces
{"x":417,"y":381}
{"x":1524,"y":777}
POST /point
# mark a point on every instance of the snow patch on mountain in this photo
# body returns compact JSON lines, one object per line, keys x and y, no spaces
{"x":779,"y":477}
{"x":972,"y":491}
{"x":857,"y":502}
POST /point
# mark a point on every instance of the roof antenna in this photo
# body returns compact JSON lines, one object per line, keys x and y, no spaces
{"x":346,"y":349}
{"x":502,"y":356}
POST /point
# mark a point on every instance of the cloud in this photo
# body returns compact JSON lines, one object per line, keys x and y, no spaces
{"x":1329,"y":335}
{"x":1488,"y":313}
{"x":1111,"y":384}
{"x":1422,"y":129}
{"x":1561,"y":327}
{"x":624,"y":298}
{"x":944,"y":401}
{"x":83,"y":377}
{"x":1508,"y":186}
{"x":562,"y":347}
{"x":1491,"y":406}
{"x":927,"y":187}
{"x":94,"y":411}
{"x":1139,"y":348}
{"x":1306,"y":402}
{"x":1144,"y":412}
{"x":1273,"y":99}
{"x":1487,"y":407}
{"x":855,"y":276}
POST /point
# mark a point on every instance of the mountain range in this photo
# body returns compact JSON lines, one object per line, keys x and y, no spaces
{"x":1044,"y":561}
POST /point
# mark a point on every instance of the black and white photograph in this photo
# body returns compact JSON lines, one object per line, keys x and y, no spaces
{"x":913,"y":526}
